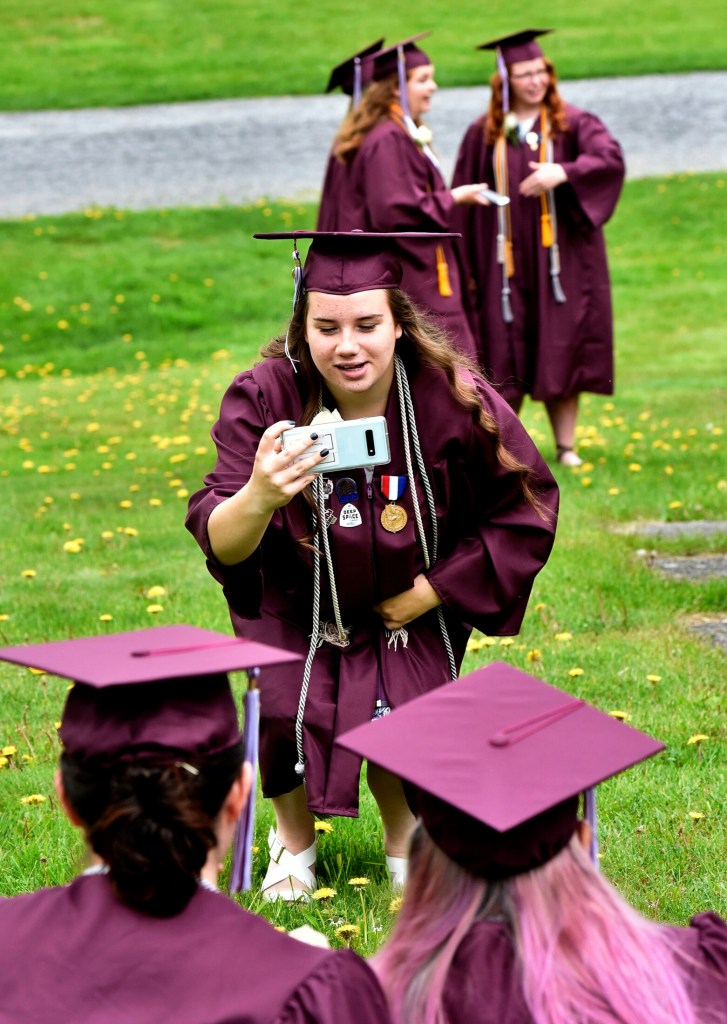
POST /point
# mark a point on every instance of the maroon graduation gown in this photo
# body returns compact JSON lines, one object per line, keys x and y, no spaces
{"x":390,"y":185}
{"x":491,"y":546}
{"x":74,"y":953}
{"x":550,"y":350}
{"x":483,"y":983}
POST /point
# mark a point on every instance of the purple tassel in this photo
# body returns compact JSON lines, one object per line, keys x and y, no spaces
{"x":401,"y":66}
{"x":241,"y":873}
{"x":356,"y":81}
{"x":502,"y":68}
{"x":589,"y":810}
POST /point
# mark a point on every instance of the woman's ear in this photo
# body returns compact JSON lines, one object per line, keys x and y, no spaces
{"x":65,"y":802}
{"x":398,"y":331}
{"x":239,"y":794}
{"x":585,"y":834}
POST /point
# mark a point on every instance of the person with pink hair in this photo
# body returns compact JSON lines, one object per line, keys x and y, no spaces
{"x":506,"y":918}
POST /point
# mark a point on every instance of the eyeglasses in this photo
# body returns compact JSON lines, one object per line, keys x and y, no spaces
{"x":530,"y":76}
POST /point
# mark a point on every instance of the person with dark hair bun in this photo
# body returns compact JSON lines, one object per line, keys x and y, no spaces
{"x":153,"y":773}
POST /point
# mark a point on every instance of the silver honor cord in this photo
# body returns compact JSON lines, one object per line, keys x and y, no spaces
{"x":408,"y":420}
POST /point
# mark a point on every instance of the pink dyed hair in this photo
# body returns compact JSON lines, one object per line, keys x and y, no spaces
{"x":584,"y":953}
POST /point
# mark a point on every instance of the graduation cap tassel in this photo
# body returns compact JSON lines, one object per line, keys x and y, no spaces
{"x":356,"y":97}
{"x":506,"y":307}
{"x":241,"y":873}
{"x":297,"y":290}
{"x":590,"y":815}
{"x":502,"y":68}
{"x":443,"y":282}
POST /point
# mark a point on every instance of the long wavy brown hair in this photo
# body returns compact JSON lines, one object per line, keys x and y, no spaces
{"x":374,"y":107}
{"x":553,"y":103}
{"x":421,"y":342}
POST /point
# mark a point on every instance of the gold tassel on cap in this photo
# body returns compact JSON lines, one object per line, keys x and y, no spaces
{"x":445,"y":287}
{"x":509,"y":259}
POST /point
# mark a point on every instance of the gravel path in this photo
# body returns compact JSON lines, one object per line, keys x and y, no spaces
{"x":238,"y":150}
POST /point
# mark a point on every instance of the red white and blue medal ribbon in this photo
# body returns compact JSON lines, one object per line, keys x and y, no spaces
{"x":393,"y":516}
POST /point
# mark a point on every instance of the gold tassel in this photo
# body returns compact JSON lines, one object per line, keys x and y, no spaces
{"x":546,"y":230}
{"x":509,"y":258}
{"x":445,"y":287}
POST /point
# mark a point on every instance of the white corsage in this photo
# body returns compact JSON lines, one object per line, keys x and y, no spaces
{"x":510,"y":128}
{"x":422,"y":135}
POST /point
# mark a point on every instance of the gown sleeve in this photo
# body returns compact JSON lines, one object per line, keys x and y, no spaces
{"x":596,"y":173}
{"x":242,"y":421}
{"x":487,"y":578}
{"x":396,"y":179}
{"x":343,"y":990}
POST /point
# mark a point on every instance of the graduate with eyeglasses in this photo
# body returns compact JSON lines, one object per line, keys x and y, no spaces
{"x":375,"y":575}
{"x":536,"y":269}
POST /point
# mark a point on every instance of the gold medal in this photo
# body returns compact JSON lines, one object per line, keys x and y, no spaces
{"x":394,"y":518}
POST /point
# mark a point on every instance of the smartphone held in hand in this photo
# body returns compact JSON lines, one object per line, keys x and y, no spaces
{"x":351,"y":444}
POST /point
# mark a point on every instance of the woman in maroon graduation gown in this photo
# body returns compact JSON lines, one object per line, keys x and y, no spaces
{"x":536,"y":269}
{"x":506,"y":919}
{"x":388,"y":613}
{"x":383,"y":176}
{"x":152,"y":772}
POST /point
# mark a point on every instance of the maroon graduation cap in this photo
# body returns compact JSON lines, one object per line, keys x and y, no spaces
{"x":518,"y":46}
{"x":149,"y":691}
{"x":345,"y":262}
{"x":495,"y":763}
{"x":386,"y":62}
{"x":352,"y":75}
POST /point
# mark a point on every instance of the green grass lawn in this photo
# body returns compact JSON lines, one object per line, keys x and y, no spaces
{"x":119,"y":333}
{"x":61,"y":53}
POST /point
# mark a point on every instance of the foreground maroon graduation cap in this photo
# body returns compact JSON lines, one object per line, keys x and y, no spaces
{"x":156,"y":693}
{"x":496,"y":762}
{"x":352,"y":75}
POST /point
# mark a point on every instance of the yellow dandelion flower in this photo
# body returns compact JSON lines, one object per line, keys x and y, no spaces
{"x":586,"y":481}
{"x":506,"y":641}
{"x":577,"y":671}
{"x":155,"y":502}
{"x":623,"y":716}
{"x":126,"y":503}
{"x":182,"y":492}
{"x":29,"y":573}
{"x":614,"y":490}
{"x":105,"y":618}
{"x":4,"y":617}
{"x":28,"y":758}
{"x":696,"y":815}
{"x":698,"y":737}
{"x":540,"y":606}
{"x":668,"y":470}
{"x":9,"y":751}
{"x":395,"y":905}
{"x":475,"y":644}
{"x":488,"y":641}
{"x":563,"y":637}
{"x":653,"y":678}
{"x":156,"y":591}
{"x":34,"y":798}
{"x":4,"y":761}
{"x":37,"y":671}
{"x":635,"y":467}
{"x":107,"y":535}
{"x":73,"y":547}
{"x":323,"y":826}
{"x":347,"y":932}
{"x":358,"y":883}
{"x":323,"y":894}
{"x":130,"y":531}
{"x":154,"y":609}
{"x":534,"y":655}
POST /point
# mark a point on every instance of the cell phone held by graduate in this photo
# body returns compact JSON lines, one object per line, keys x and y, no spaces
{"x":351,"y":444}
